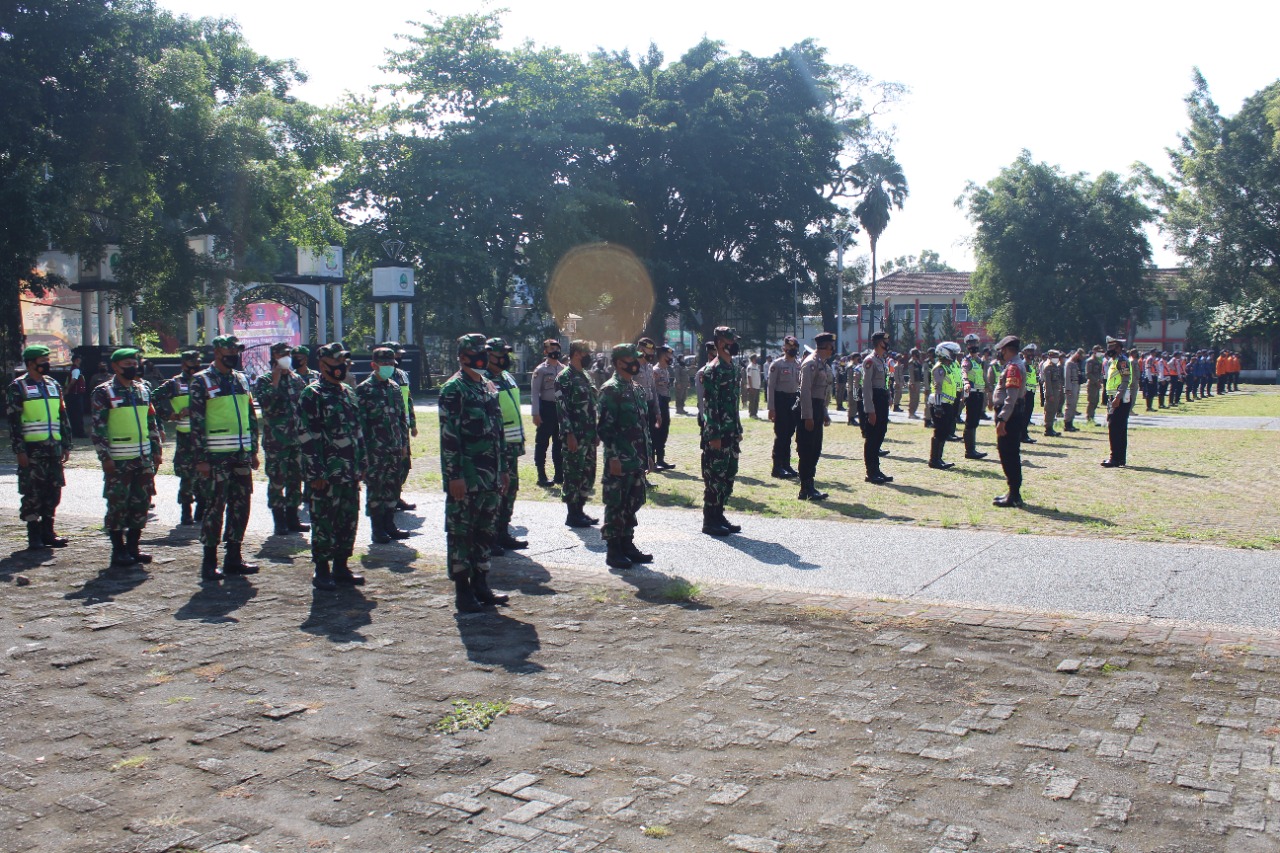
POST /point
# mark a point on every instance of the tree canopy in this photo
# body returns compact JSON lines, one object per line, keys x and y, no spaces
{"x":1060,"y":257}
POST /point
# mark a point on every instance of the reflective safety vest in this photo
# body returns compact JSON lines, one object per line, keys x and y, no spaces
{"x":226,"y":418}
{"x":128,"y":436}
{"x":977,"y":375}
{"x":1033,"y":378}
{"x":404,"y":395}
{"x":948,"y":391}
{"x":1113,"y":376}
{"x":509,"y":399}
{"x":181,"y":401}
{"x":41,"y":413}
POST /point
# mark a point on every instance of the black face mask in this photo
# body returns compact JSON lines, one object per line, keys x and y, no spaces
{"x":189,"y":368}
{"x":477,"y":361}
{"x":792,"y":351}
{"x":128,"y":373}
{"x":732,"y":349}
{"x":504,"y":361}
{"x":232,"y":361}
{"x":339,"y":372}
{"x":43,"y":368}
{"x":631,"y":368}
{"x":555,"y":355}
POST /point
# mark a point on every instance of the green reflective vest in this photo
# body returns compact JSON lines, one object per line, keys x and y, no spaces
{"x":408,"y":404}
{"x":41,"y":413}
{"x":1113,"y":377}
{"x":977,"y":375}
{"x":180,"y":403}
{"x":127,"y":433}
{"x":226,"y":421}
{"x":948,"y":391}
{"x":512,"y":426}
{"x":1033,"y":378}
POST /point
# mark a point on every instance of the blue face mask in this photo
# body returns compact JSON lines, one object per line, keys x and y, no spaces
{"x":386,"y":371}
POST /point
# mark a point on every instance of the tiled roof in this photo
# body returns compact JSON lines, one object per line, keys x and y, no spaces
{"x":956,"y":284}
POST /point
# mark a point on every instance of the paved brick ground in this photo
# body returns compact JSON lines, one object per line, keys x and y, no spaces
{"x":144,"y":713}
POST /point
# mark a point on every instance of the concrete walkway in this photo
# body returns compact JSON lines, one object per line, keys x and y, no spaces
{"x":1104,"y":578}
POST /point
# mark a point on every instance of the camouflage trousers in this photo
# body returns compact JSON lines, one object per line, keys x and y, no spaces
{"x":623,"y":497}
{"x":406,"y":465}
{"x":128,"y":493}
{"x":382,"y":478}
{"x":184,"y":466}
{"x":580,"y":473}
{"x":469,"y":528}
{"x":719,"y":468}
{"x":41,"y":482}
{"x":335,"y":513}
{"x":227,"y":490}
{"x":508,"y":503}
{"x":284,"y":476}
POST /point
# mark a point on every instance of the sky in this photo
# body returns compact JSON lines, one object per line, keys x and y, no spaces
{"x":1088,"y":86}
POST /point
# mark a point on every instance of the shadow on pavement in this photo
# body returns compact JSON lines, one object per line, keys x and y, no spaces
{"x":773,"y":553}
{"x":495,"y":639}
{"x":919,"y":491}
{"x":515,"y":570}
{"x":214,"y":603}
{"x":337,"y":615}
{"x":109,"y":583}
{"x":23,"y":560}
{"x":659,"y":588}
{"x":1073,"y":517}
{"x":394,"y":556}
{"x":1169,"y":471}
{"x":862,"y":511}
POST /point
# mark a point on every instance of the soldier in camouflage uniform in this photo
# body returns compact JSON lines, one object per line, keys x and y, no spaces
{"x":172,"y":400}
{"x":401,"y":378}
{"x":576,"y":404}
{"x":473,"y":466}
{"x":383,"y":424}
{"x":623,"y":426}
{"x":40,"y":430}
{"x":721,"y":434}
{"x":128,"y":440}
{"x":277,"y":394}
{"x":499,"y":352}
{"x":333,"y":460}
{"x":224,"y":427}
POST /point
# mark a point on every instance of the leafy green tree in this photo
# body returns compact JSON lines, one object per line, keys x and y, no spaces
{"x":931,"y":328}
{"x":927,"y":261}
{"x":907,"y":335}
{"x":949,"y":330}
{"x":884,"y":187}
{"x":1059,"y":257}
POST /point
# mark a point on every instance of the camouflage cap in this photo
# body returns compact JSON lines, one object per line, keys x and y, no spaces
{"x":228,"y":342}
{"x":34,"y":351}
{"x":189,"y":354}
{"x":622,"y":351}
{"x":123,"y":353}
{"x":384,"y":353}
{"x":392,"y":345}
{"x":300,"y":350}
{"x":474,"y":342}
{"x":727,"y":333}
{"x":281,"y":346}
{"x":334,"y":351}
{"x":498,"y":345}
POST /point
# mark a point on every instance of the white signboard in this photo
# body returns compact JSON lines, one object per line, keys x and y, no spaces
{"x":103,"y":270}
{"x":393,"y":283}
{"x":326,"y":264}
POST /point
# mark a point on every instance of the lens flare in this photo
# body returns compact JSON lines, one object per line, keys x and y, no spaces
{"x":601,"y":292}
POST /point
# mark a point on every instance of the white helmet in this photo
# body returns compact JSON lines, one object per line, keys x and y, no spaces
{"x":953,"y":348}
{"x":970,"y":340}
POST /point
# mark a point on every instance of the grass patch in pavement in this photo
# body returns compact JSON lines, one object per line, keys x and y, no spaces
{"x":471,"y":715}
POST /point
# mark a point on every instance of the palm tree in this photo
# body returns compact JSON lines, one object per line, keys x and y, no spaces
{"x":884,"y":186}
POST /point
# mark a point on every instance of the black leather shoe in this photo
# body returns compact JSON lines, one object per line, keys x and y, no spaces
{"x":939,"y":465}
{"x":977,"y":454}
{"x":1008,"y":501}
{"x":1107,"y":463}
{"x":480,"y":589}
{"x":884,"y":452}
{"x":506,"y":540}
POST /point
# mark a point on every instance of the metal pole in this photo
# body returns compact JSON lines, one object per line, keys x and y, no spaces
{"x":795,"y":289}
{"x":841,"y":236}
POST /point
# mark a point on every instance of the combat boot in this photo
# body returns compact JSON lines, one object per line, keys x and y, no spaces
{"x":292,"y":521}
{"x":389,"y":525}
{"x":542,"y":476}
{"x":737,"y":528}
{"x":404,"y":506}
{"x":480,"y":589}
{"x":711,"y":523}
{"x":51,"y":539}
{"x":233,"y":561}
{"x":377,"y":532}
{"x":35,"y":537}
{"x":633,"y":553}
{"x":780,"y":472}
{"x":120,"y":555}
{"x":342,"y":574}
{"x":187,"y":518}
{"x":131,"y":540}
{"x":198,"y":515}
{"x":209,"y":570}
{"x":576,"y":517}
{"x":506,"y":540}
{"x":282,"y":526}
{"x":463,"y":598}
{"x":616,"y":556}
{"x":321,"y":578}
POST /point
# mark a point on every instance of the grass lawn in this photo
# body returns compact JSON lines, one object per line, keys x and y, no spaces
{"x":1252,"y":401}
{"x":1182,"y":485}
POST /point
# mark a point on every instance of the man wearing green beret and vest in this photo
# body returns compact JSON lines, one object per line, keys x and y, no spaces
{"x":383,"y":424}
{"x":277,"y":394}
{"x":401,"y":377}
{"x":225,"y":430}
{"x":173,"y":401}
{"x":473,"y":465}
{"x":623,"y":427}
{"x":499,"y":352}
{"x":40,"y":429}
{"x":333,"y":457}
{"x":127,"y":438}
{"x":576,"y":409}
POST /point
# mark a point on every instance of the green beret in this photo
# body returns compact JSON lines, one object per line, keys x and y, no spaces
{"x":34,"y":351}
{"x":301,"y":351}
{"x":227,"y":341}
{"x":474,"y":342}
{"x":188,"y":354}
{"x":333,"y":350}
{"x":123,"y":353}
{"x":497,"y":345}
{"x":624,"y":351}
